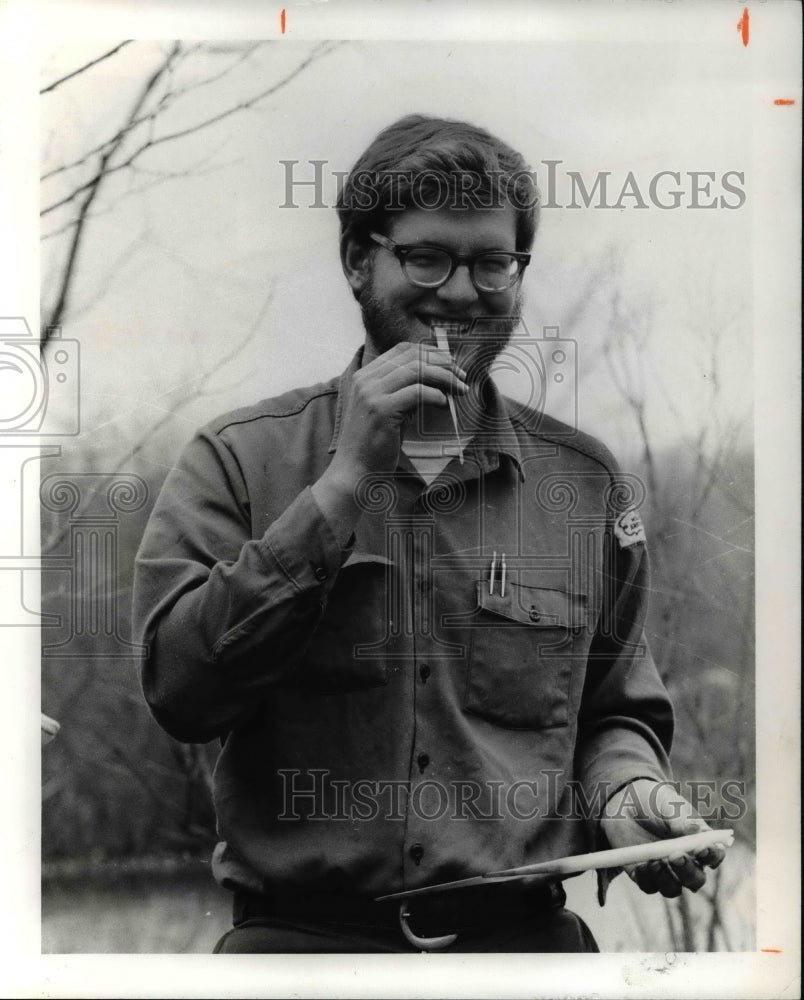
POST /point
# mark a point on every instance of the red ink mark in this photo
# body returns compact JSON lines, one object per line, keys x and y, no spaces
{"x":742,"y":26}
{"x":282,"y":20}
{"x":772,"y":951}
{"x":784,"y":100}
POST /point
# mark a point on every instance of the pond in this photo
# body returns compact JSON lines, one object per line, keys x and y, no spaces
{"x":146,"y":914}
{"x":187,"y":912}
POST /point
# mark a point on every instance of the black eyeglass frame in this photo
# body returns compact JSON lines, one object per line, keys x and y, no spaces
{"x":401,"y":251}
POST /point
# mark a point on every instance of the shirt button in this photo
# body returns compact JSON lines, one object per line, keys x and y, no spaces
{"x":320,"y":573}
{"x":534,"y":615}
{"x":417,"y":853}
{"x":424,"y":672}
{"x":423,"y":760}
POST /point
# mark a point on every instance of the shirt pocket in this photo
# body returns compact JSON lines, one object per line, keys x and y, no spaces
{"x":521,"y":655}
{"x":347,"y":650}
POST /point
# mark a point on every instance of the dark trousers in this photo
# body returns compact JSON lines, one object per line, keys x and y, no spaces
{"x":273,"y":930}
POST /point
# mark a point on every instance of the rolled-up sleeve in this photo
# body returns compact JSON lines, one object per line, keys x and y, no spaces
{"x":224,"y":616}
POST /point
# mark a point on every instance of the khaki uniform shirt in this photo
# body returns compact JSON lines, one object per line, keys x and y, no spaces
{"x":389,"y":716}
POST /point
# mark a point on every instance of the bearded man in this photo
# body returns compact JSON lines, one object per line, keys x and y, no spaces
{"x":411,"y":609}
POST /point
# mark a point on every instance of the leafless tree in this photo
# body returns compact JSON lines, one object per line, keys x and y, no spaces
{"x":71,"y":189}
{"x":86,"y":694}
{"x":699,"y":511}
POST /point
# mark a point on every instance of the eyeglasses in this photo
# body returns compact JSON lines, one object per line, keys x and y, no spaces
{"x":432,"y":267}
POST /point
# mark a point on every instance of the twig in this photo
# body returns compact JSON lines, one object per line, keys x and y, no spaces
{"x":58,"y":310}
{"x":84,"y":68}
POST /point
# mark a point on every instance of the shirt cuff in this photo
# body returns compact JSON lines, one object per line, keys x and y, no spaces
{"x":303,"y":545}
{"x":605,"y":876}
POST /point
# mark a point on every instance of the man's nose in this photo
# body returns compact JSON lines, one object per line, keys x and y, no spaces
{"x":459,"y":290}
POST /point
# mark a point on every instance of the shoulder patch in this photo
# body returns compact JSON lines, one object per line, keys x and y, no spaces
{"x":628,"y":528}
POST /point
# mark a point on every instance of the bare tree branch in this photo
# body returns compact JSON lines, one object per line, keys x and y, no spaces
{"x":200,"y":390}
{"x":624,"y":356}
{"x":318,"y":52}
{"x":56,"y":314}
{"x":105,"y":170}
{"x":85,"y":194}
{"x":168,"y":100}
{"x":157,"y":177}
{"x":84,"y":68}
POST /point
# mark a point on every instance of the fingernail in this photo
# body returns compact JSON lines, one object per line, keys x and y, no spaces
{"x":677,"y":860}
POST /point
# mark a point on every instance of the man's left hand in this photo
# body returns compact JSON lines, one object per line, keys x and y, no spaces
{"x":647,"y":810}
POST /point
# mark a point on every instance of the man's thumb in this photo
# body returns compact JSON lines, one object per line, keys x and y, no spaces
{"x":678,"y":815}
{"x":683,"y":826}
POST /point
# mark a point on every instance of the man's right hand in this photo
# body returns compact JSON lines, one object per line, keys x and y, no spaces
{"x":380,"y":398}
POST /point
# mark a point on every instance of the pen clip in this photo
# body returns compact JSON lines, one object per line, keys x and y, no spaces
{"x":491,"y":574}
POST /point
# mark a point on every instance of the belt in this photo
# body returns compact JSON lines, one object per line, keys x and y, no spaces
{"x":427,"y":916}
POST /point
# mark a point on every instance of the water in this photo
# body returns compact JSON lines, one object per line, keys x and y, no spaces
{"x":187,"y":913}
{"x":143,"y":914}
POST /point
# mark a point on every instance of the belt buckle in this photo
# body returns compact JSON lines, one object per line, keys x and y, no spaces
{"x":423,"y":943}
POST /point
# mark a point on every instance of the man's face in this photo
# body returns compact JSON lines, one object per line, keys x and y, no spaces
{"x":395,"y":310}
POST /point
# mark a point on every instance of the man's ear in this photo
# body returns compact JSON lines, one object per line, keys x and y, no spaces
{"x":356,"y":263}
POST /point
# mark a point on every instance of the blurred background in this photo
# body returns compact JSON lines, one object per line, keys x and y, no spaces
{"x":170,"y":255}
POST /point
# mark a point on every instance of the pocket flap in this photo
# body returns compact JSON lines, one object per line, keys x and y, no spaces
{"x":538,"y":606}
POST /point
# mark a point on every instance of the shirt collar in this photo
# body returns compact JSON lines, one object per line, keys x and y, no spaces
{"x":498,"y":437}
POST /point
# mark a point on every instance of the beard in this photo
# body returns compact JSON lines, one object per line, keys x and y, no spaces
{"x":476,"y":351}
{"x":385,"y":327}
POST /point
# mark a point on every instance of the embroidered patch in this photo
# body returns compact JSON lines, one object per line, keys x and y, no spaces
{"x":628,"y":528}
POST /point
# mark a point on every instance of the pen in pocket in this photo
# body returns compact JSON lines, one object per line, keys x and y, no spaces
{"x":493,"y":573}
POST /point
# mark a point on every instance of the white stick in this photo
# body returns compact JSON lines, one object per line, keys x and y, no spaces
{"x":567,"y":867}
{"x":657,"y":850}
{"x":443,"y":345}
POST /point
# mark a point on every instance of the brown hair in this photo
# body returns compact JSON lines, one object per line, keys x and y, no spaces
{"x":424,"y":162}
